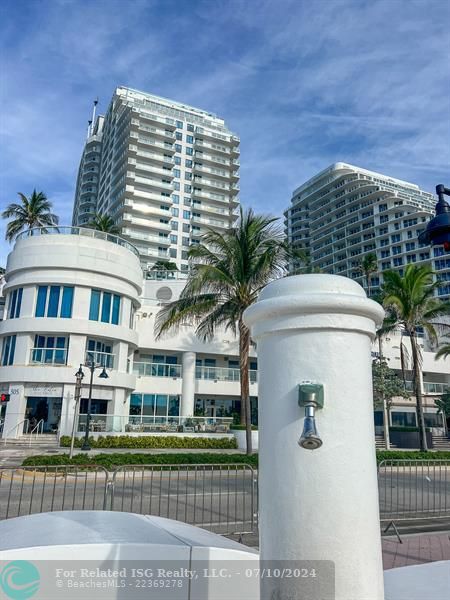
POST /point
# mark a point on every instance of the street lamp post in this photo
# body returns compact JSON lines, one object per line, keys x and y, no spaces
{"x":77,"y":396}
{"x":103,"y":375}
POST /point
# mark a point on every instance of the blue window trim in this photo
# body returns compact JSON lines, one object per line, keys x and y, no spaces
{"x":53,"y":301}
{"x":115,"y":314}
{"x":106,"y":307}
{"x":8,"y":350}
{"x":66,"y":302}
{"x":41,"y":301}
{"x":94,"y":309}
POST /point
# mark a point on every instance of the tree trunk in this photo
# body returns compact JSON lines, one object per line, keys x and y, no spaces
{"x":244,"y":350}
{"x":418,"y":391}
{"x":387,"y":439}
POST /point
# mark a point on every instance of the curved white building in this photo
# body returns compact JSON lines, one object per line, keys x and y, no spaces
{"x":70,"y":299}
{"x":77,"y":295}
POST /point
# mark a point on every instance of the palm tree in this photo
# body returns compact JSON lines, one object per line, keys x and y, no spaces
{"x":367,"y":266}
{"x":104,"y":223}
{"x":164,"y":265}
{"x":444,"y":350}
{"x":34,"y":211}
{"x":234,"y":266}
{"x":410,"y":303}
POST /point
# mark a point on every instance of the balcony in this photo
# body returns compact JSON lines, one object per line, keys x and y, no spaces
{"x":48,"y":356}
{"x":223,"y":374}
{"x":429,"y":387}
{"x":146,"y":369}
{"x":93,"y":233}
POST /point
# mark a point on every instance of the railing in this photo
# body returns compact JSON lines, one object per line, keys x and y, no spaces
{"x":39,"y":425}
{"x":48,"y":356}
{"x":45,"y":489}
{"x":429,"y":387}
{"x":145,"y":369}
{"x":15,"y":429}
{"x":414,"y":489}
{"x":435,"y":388}
{"x":223,"y":374}
{"x":153,"y":424}
{"x":165,"y":275}
{"x":220,"y":498}
{"x":102,"y":359}
{"x":85,"y":231}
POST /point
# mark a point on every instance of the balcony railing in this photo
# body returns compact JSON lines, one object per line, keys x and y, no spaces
{"x":146,"y":369}
{"x":429,"y":387}
{"x":100,"y":359}
{"x":223,"y":374}
{"x":165,"y":275}
{"x":153,"y":424}
{"x":48,"y":356}
{"x":93,"y":233}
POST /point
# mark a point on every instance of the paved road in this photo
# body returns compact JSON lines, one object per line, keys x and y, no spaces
{"x":223,"y":500}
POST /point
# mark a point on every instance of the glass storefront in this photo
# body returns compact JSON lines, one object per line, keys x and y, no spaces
{"x":41,"y":409}
{"x":154,"y":405}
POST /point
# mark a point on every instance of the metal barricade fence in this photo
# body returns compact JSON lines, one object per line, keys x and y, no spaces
{"x":28,"y":490}
{"x":414,"y":489}
{"x":220,"y":498}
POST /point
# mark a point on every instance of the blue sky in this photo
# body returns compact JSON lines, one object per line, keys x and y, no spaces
{"x":304,"y":83}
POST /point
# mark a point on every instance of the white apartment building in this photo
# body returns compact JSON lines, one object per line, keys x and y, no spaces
{"x":88,"y":175}
{"x":167,"y":172}
{"x":75,"y":296}
{"x":345,"y":212}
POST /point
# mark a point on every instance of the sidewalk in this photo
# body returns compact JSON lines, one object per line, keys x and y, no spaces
{"x":415,"y":549}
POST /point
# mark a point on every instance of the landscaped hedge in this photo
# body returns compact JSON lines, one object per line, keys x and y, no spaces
{"x":153,"y":441}
{"x":111,"y":461}
{"x":412,"y":455}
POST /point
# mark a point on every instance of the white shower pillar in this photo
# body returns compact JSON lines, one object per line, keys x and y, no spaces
{"x":318,"y":504}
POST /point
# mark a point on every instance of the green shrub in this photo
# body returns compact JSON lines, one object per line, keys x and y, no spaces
{"x":153,"y":441}
{"x":412,"y":455}
{"x":111,"y":461}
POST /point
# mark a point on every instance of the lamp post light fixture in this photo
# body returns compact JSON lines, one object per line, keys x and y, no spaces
{"x":438,"y":229}
{"x":103,"y":375}
{"x":79,"y":375}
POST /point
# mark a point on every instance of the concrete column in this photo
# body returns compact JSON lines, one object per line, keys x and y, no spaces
{"x":15,"y":412}
{"x":318,"y":504}
{"x":188,"y":384}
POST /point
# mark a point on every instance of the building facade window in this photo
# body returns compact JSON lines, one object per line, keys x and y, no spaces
{"x":15,"y":303}
{"x":8,"y":349}
{"x":403,"y":419}
{"x":105,"y":307}
{"x":54,"y":301}
{"x":100,"y":352}
{"x":49,"y":349}
{"x":148,"y":407}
